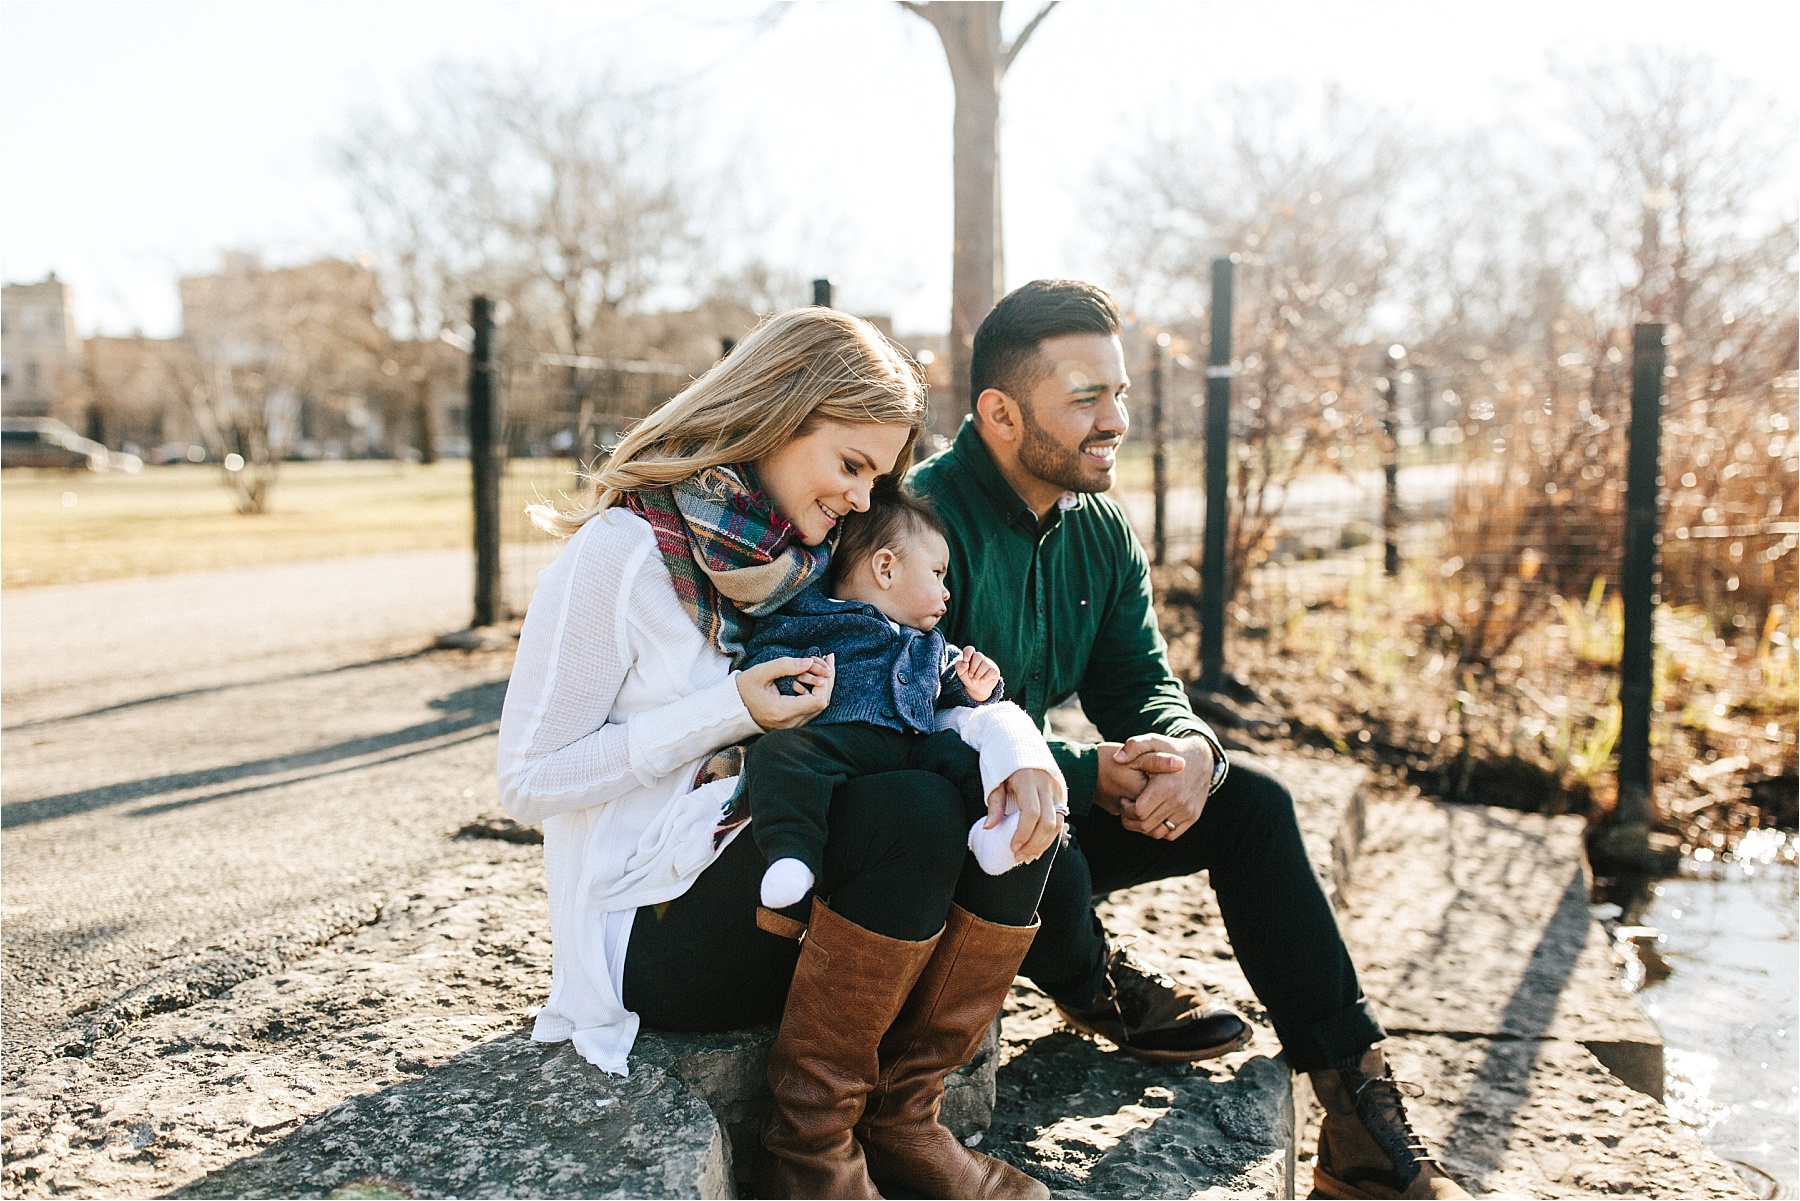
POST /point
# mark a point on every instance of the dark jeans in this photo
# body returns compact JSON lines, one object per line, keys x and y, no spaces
{"x":896,"y":860}
{"x":790,"y":776}
{"x":1281,"y":926}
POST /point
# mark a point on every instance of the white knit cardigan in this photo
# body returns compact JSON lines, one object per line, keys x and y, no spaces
{"x":615,"y":701}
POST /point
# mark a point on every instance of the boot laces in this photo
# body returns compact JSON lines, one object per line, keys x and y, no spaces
{"x":1130,"y":1002}
{"x":1382,"y":1109}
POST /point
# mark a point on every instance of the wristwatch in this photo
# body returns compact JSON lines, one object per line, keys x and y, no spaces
{"x":1220,"y":766}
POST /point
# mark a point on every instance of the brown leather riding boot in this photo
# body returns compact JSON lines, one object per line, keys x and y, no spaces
{"x":848,"y":985}
{"x":910,"y":1154}
{"x":1367,"y":1146}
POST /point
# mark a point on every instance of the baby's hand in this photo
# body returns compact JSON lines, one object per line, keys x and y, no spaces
{"x":978,"y":673}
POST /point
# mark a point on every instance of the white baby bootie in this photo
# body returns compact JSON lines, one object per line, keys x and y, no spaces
{"x":786,"y":881}
{"x":992,"y":848}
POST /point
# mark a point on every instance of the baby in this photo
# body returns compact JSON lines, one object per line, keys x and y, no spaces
{"x":876,"y":618}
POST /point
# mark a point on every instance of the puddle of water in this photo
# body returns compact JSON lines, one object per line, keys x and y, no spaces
{"x":1729,"y":1005}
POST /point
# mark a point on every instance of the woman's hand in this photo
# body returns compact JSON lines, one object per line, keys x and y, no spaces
{"x":1033,"y":792}
{"x":773,"y":709}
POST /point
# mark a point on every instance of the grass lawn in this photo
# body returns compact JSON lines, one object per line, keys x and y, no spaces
{"x":61,"y":527}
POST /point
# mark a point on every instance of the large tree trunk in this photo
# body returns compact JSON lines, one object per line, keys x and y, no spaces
{"x":971,"y":37}
{"x":978,"y":59}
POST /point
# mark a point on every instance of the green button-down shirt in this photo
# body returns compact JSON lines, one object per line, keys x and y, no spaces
{"x":1062,"y":605}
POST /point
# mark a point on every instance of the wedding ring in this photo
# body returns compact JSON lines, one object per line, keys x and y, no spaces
{"x":1169,"y":822}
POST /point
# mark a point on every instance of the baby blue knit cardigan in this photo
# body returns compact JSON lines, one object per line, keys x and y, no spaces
{"x":888,"y":675}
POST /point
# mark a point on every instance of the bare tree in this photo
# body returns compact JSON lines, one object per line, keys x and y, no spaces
{"x":1528,"y":283}
{"x":1303,"y":195}
{"x":589,"y":191}
{"x":408,"y":180}
{"x":569,"y":197}
{"x":257,"y":345}
{"x":979,"y":58}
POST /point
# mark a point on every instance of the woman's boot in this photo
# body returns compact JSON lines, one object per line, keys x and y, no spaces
{"x":848,"y":985}
{"x":910,"y":1154}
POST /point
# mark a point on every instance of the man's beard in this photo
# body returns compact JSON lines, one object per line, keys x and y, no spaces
{"x":1054,"y":463}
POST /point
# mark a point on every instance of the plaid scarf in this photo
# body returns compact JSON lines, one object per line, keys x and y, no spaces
{"x":730,"y":554}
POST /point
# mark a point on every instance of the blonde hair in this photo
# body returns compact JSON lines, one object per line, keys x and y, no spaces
{"x":796,"y":369}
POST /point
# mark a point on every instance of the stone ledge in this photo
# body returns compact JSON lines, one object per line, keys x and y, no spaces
{"x":1092,"y":1122}
{"x":514,"y":1118}
{"x":507,"y":1118}
{"x":1544,"y":1118}
{"x":1502,"y":997}
{"x":1470,"y":920}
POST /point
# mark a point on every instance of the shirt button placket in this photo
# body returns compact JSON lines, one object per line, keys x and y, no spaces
{"x":1039,"y":688}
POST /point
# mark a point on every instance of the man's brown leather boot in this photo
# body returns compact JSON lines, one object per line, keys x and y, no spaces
{"x":848,"y":986}
{"x":910,"y":1154}
{"x":1367,"y":1147}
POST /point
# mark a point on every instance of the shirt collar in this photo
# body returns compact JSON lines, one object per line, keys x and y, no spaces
{"x":973,"y":454}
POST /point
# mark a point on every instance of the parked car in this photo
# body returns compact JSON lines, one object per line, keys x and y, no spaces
{"x":47,"y":442}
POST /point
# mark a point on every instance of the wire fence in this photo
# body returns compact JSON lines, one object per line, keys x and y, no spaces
{"x":1728,"y":551}
{"x":555,"y":404}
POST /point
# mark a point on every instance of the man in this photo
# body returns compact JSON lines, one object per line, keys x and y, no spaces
{"x":1048,"y":579}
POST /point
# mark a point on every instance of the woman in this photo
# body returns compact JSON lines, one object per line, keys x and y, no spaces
{"x":717,"y":507}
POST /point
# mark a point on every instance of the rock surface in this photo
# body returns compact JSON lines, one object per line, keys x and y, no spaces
{"x":1472,"y":932}
{"x":1544,"y":1118}
{"x":514,"y":1118}
{"x":507,"y":1118}
{"x":1092,"y":1122}
{"x":1470,"y":920}
{"x":247,"y":955}
{"x":398,"y":1051}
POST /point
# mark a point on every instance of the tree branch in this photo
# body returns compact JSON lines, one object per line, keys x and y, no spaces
{"x":1011,"y":52}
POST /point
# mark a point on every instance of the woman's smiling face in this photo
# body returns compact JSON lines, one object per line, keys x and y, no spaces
{"x":817,"y":477}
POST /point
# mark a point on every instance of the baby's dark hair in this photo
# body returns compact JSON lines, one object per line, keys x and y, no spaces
{"x":893,"y":514}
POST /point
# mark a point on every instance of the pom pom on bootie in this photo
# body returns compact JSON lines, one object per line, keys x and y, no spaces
{"x":993,"y":848}
{"x":786,"y":881}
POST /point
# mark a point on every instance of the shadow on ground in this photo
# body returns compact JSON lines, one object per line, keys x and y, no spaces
{"x":1090,"y":1122}
{"x":506,"y":1118}
{"x":471,"y":712}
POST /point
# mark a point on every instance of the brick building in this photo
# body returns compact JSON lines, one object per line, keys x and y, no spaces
{"x":39,"y":347}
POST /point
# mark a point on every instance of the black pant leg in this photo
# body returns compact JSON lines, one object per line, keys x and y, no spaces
{"x":946,"y":754}
{"x":700,"y":962}
{"x":1281,"y":926}
{"x":1009,"y":899}
{"x":896,"y":849}
{"x":1068,"y":957}
{"x":790,"y":777}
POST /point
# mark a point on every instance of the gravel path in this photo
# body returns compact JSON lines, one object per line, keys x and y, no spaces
{"x":206,"y":774}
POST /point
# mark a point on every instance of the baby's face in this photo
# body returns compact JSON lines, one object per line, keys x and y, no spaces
{"x":917,"y":595}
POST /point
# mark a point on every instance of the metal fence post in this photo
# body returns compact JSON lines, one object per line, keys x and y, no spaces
{"x":822,"y":293}
{"x":1390,"y":464}
{"x":484,"y":460}
{"x":1638,"y":586}
{"x":1159,"y":456}
{"x":1218,"y":464}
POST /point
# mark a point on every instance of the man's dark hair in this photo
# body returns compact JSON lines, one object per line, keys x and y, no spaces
{"x":1005,"y":354}
{"x":893,"y":514}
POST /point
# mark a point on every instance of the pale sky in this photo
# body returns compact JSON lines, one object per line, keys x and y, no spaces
{"x":140,"y":139}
